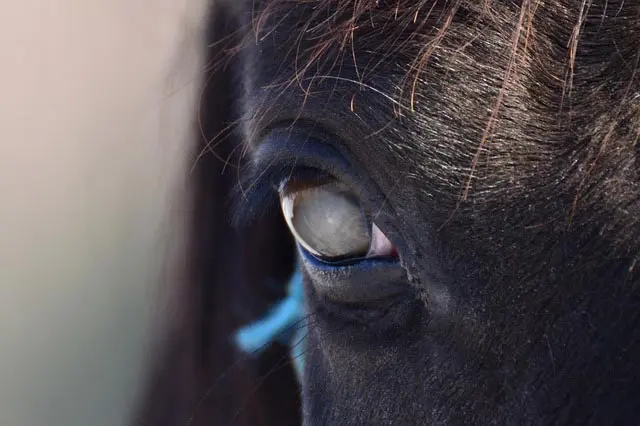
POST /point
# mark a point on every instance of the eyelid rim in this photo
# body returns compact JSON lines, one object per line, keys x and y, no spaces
{"x":385,"y":278}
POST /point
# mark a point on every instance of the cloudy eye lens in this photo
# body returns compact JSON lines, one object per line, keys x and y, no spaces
{"x":327,"y":221}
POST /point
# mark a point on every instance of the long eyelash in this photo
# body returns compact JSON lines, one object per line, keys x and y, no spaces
{"x":258,"y":189}
{"x":280,"y":158}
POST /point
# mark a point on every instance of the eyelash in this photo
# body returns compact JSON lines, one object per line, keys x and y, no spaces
{"x":258,"y":191}
{"x":276,"y":163}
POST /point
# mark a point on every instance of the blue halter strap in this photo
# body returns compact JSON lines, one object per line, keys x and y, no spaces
{"x":285,"y":322}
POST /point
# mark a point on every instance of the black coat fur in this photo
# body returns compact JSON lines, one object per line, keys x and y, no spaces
{"x":498,"y":142}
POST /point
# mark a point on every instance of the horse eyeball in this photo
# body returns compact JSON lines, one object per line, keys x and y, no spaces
{"x":327,"y":220}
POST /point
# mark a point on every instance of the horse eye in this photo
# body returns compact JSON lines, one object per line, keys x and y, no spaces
{"x":327,"y":221}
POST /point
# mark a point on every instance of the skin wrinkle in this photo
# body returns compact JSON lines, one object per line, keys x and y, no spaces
{"x":499,"y":141}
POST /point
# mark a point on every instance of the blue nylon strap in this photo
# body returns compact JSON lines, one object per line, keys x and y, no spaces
{"x":284,"y":322}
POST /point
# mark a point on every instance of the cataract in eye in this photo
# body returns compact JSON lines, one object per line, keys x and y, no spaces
{"x":327,"y":220}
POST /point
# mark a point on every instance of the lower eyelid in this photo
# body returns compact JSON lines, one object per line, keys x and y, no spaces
{"x":366,"y":280}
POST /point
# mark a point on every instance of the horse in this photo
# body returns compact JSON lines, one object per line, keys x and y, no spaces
{"x":457,"y":183}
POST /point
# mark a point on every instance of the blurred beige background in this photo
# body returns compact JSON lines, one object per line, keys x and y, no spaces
{"x":96,"y":102}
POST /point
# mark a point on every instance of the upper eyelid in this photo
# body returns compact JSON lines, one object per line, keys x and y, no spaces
{"x":284,"y":150}
{"x":281,"y":153}
{"x":288,"y":146}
